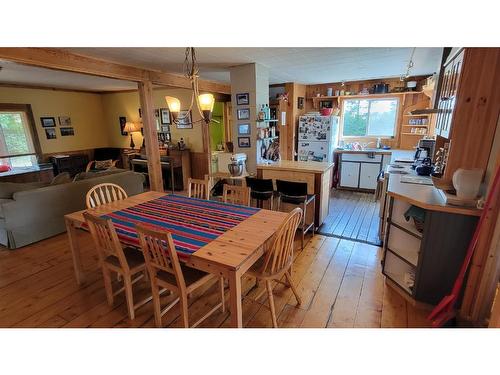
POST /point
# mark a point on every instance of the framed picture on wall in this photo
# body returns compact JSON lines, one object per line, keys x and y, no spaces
{"x":184,"y":120}
{"x":300,"y":102}
{"x":48,"y":122}
{"x":243,"y":99}
{"x":64,"y":120}
{"x":67,"y":131}
{"x":123,"y":121}
{"x":50,"y":133}
{"x":244,"y":129}
{"x":244,"y":142}
{"x":243,"y":114}
{"x":164,"y":116}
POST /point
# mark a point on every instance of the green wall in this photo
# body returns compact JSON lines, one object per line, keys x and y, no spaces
{"x":217,"y":129}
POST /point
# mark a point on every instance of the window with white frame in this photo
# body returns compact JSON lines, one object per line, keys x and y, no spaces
{"x":369,"y":117}
{"x":16,"y":144}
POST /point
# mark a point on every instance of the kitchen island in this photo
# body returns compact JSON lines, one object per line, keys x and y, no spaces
{"x":317,"y":175}
{"x":425,"y":239}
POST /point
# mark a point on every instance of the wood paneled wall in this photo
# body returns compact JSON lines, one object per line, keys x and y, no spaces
{"x":405,"y":103}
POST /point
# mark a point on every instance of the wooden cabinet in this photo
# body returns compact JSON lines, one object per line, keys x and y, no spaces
{"x":448,"y":95}
{"x":368,"y":176}
{"x":72,"y":164}
{"x":349,"y":174}
{"x":425,"y":265}
{"x":469,"y":103}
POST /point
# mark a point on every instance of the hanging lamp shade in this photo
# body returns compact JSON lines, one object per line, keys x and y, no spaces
{"x":206,"y":103}
{"x":174,"y":104}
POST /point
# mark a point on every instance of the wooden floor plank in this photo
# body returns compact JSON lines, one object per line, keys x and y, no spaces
{"x":346,"y":304}
{"x":394,"y":313}
{"x":319,"y":312}
{"x":45,"y":293}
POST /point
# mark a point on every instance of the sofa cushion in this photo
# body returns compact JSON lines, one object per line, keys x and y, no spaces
{"x":61,"y":178}
{"x":7,"y":189}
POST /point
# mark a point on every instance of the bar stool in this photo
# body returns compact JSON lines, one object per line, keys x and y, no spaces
{"x":261,"y":190}
{"x":295,"y":193}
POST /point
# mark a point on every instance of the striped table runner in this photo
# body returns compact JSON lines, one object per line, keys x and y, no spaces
{"x":192,"y":222}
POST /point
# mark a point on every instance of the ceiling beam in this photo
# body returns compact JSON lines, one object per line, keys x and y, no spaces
{"x":58,"y":59}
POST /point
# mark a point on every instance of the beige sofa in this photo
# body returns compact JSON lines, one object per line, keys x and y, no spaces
{"x":38,"y":213}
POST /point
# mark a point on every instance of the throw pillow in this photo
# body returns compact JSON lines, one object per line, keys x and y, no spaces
{"x":61,"y":178}
{"x":103,"y":164}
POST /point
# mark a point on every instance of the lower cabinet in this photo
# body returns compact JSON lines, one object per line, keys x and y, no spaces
{"x":360,"y":171}
{"x":368,"y":176}
{"x":349,"y":174}
{"x":424,"y":265}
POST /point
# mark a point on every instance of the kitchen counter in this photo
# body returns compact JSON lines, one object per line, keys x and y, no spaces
{"x":290,"y":165}
{"x":366,"y":151}
{"x":424,"y":196}
{"x":317,"y":175}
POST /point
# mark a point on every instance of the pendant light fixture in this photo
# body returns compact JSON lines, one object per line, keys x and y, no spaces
{"x":204,"y":102}
{"x":409,"y":67}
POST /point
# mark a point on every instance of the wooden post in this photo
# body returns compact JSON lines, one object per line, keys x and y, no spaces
{"x":205,"y":130}
{"x":150,"y":135}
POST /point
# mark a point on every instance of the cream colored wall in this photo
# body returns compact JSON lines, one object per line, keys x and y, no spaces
{"x":85,"y":110}
{"x":127,"y":104}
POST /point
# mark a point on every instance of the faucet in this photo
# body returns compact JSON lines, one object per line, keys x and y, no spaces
{"x":364,"y":145}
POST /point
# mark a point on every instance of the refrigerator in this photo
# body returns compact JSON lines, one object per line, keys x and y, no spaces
{"x":318,"y":137}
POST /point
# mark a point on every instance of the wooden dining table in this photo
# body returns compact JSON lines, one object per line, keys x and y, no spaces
{"x":229,"y":255}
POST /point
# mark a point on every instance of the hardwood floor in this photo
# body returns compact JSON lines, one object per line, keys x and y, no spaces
{"x":339,"y":281}
{"x":353,"y":215}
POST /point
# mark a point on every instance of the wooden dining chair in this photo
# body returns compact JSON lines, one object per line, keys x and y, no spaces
{"x":277,"y":261}
{"x":235,"y":194}
{"x":104,"y":193}
{"x":165,"y":271}
{"x":126,"y":262}
{"x":198,"y":188}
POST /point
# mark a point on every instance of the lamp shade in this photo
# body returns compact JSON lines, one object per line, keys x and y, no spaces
{"x":206,"y":102}
{"x":174,"y":104}
{"x":131,"y":127}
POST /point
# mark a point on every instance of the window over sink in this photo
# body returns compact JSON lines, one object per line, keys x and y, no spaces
{"x":369,"y":117}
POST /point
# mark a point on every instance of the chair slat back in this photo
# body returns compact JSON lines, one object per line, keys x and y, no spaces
{"x":104,"y":193}
{"x":105,"y":238}
{"x":236,"y":195}
{"x":280,"y":255}
{"x":159,"y":253}
{"x":198,"y":188}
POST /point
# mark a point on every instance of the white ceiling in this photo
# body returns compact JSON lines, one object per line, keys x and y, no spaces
{"x":302,"y":65}
{"x":13,"y":73}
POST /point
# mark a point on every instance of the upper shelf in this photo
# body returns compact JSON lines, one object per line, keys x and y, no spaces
{"x":314,"y":98}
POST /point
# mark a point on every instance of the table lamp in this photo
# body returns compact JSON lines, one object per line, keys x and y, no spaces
{"x":130,"y":128}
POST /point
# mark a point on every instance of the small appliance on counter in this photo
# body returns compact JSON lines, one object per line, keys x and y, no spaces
{"x":234,"y":164}
{"x":425,"y":150}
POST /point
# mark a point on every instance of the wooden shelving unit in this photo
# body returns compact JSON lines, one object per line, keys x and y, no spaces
{"x":367,"y":96}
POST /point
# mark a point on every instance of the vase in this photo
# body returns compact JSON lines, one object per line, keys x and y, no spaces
{"x":467,"y":182}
